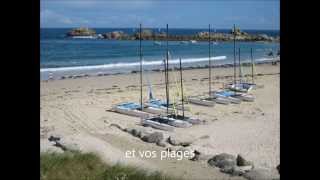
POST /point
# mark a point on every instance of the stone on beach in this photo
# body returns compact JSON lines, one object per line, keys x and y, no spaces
{"x":236,"y":170}
{"x":180,"y":140}
{"x":153,"y":137}
{"x":260,"y":174}
{"x":242,"y":162}
{"x":223,"y":160}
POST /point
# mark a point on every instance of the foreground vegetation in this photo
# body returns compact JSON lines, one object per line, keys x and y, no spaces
{"x":88,"y":166}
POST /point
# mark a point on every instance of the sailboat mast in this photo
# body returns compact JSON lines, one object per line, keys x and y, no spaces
{"x":209,"y":40}
{"x":140,"y":52}
{"x":234,"y":53}
{"x":240,"y":73}
{"x":167,"y":73}
{"x":181,"y":84}
{"x":252,"y":66}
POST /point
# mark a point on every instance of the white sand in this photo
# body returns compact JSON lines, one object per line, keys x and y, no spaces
{"x":75,"y":109}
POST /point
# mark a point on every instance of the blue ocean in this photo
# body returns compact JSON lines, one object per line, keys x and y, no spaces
{"x":64,"y":56}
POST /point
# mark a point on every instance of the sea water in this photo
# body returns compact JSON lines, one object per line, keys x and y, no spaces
{"x":65,"y":56}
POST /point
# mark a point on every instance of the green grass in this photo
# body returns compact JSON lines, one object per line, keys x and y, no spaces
{"x":88,"y":166}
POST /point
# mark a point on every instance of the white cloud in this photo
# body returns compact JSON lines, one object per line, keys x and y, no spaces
{"x":52,"y":18}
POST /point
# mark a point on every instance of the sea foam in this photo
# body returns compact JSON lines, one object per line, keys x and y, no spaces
{"x":119,"y":65}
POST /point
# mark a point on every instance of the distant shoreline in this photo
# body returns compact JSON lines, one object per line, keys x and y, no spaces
{"x":161,"y":35}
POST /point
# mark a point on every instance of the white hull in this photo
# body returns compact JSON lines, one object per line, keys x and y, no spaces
{"x":202,"y":102}
{"x":220,"y":100}
{"x":234,"y":100}
{"x":245,"y":97}
{"x":193,"y":121}
{"x":157,"y":125}
{"x":157,"y":111}
{"x":135,"y":113}
{"x":171,"y":121}
{"x":179,"y":123}
{"x":235,"y":87}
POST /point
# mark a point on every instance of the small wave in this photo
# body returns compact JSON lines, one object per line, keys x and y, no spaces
{"x":118,"y":65}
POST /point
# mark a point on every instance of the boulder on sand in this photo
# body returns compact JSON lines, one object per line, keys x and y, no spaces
{"x":153,"y":137}
{"x":223,"y":161}
{"x":242,"y":162}
{"x":236,"y":170}
{"x":259,"y":174}
{"x":180,"y":140}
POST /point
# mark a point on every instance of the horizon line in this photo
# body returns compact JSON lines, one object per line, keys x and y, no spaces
{"x":151,"y":28}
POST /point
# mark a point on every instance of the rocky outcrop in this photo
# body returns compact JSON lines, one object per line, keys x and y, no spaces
{"x":148,"y":34}
{"x":82,"y":31}
{"x":117,"y":35}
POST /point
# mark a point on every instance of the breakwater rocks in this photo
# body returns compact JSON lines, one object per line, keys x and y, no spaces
{"x":148,"y":34}
{"x":82,"y":31}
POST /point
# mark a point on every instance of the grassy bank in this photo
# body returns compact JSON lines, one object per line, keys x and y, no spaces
{"x":88,"y":166}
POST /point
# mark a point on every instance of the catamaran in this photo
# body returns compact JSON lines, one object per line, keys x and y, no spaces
{"x":172,"y":119}
{"x":135,"y":109}
{"x":240,"y":86}
{"x":209,"y":100}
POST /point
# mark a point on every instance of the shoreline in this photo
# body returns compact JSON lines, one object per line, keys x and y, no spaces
{"x":99,"y":73}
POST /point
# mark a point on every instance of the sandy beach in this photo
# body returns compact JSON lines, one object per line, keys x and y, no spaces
{"x":77,"y":111}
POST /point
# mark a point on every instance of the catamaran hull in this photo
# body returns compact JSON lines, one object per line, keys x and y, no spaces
{"x":201,"y":102}
{"x":238,"y":88}
{"x":245,"y":97}
{"x":157,"y":111}
{"x":157,"y":125}
{"x":234,"y":100}
{"x":179,"y":123}
{"x":220,"y":100}
{"x":193,"y":121}
{"x":135,"y":113}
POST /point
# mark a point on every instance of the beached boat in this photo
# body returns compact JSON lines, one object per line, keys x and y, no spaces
{"x":201,"y":101}
{"x":226,"y":95}
{"x":156,"y":124}
{"x":154,"y":104}
{"x":157,"y":103}
{"x":169,"y":121}
{"x":184,"y":118}
{"x":236,"y":95}
{"x":131,"y":109}
{"x":220,"y":100}
{"x":241,"y":87}
{"x":134,"y":109}
{"x":242,"y":96}
{"x":171,"y":118}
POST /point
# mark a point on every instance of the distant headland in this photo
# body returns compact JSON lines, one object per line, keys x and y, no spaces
{"x":148,"y":34}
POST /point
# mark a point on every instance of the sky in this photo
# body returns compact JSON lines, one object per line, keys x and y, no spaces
{"x":221,"y":14}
